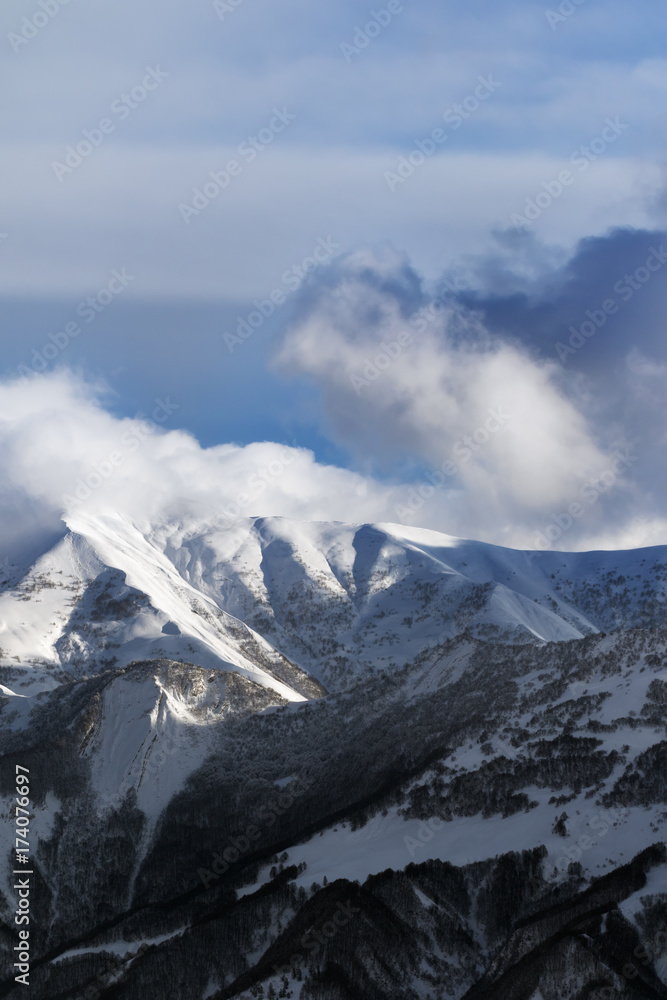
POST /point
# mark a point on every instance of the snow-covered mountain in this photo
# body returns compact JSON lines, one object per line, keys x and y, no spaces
{"x":273,"y":599}
{"x":257,"y":726}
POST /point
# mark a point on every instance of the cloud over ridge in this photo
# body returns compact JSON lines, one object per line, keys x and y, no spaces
{"x":453,"y":405}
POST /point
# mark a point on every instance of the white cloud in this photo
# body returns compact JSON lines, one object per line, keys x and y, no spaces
{"x":61,"y":450}
{"x":508,"y":450}
{"x":120,"y":208}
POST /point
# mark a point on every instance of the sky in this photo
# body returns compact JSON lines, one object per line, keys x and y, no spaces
{"x":417,"y":248}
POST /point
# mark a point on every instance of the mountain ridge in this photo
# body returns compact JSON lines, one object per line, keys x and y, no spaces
{"x":399,"y":713}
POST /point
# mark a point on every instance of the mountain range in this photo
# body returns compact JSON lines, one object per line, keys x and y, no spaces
{"x":323,"y":760}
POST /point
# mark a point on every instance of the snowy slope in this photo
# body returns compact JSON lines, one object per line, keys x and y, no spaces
{"x":343,"y":600}
{"x":105,"y":596}
{"x":287,"y":604}
{"x":293,"y":609}
{"x":443,"y":700}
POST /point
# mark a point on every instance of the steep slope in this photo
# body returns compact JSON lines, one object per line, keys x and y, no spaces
{"x":343,"y":601}
{"x":105,"y":596}
{"x":289,"y":604}
{"x":238,"y":735}
{"x":549,"y":758}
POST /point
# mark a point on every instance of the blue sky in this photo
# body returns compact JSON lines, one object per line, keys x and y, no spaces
{"x":340,"y":98}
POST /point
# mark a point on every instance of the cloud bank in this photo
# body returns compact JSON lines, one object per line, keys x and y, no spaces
{"x":527,"y":400}
{"x":528,"y":412}
{"x":120,"y":205}
{"x":60,"y":450}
